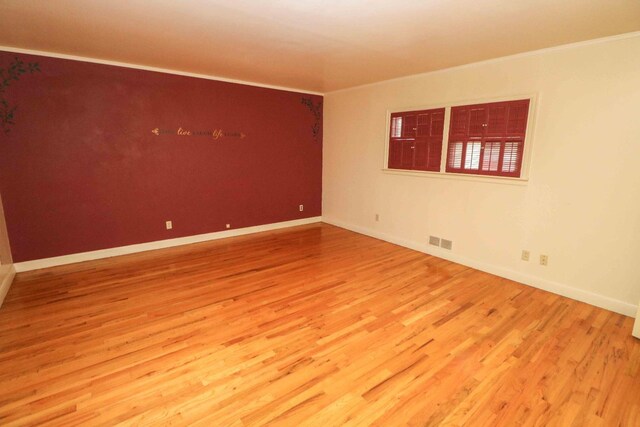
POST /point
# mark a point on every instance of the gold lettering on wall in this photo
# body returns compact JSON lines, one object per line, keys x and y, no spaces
{"x":215,"y":133}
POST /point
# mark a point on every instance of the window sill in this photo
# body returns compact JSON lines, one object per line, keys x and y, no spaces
{"x":459,"y":176}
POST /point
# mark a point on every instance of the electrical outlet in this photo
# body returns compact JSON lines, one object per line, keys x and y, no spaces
{"x":446,"y":244}
{"x":544,"y":260}
{"x":228,"y":225}
{"x":301,"y":207}
{"x":433,"y":240}
{"x":169,"y":225}
{"x":525,"y":255}
{"x":377,"y":217}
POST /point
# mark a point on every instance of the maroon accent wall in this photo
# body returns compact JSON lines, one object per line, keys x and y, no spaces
{"x":81,"y":170}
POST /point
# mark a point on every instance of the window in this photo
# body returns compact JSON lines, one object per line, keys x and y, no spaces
{"x":488,"y":139}
{"x":415,"y":140}
{"x":484,"y":139}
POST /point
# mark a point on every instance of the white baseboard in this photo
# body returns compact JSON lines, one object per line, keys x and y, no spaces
{"x":7,"y":273}
{"x":598,"y":300}
{"x":160,"y":244}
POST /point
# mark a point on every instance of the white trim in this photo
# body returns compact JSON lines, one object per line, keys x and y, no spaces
{"x":564,"y":290}
{"x":7,"y":273}
{"x":229,"y":80}
{"x":160,"y":244}
{"x":458,"y":176}
{"x":542,"y":51}
{"x":444,"y":152}
{"x":149,"y":68}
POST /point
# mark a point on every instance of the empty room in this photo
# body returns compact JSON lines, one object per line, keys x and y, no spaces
{"x":320,"y":213}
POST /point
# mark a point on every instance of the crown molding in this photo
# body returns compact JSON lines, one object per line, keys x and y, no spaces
{"x":148,"y":68}
{"x":537,"y":52}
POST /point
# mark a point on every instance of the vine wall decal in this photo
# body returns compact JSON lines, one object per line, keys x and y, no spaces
{"x":7,"y":76}
{"x":316,"y":109}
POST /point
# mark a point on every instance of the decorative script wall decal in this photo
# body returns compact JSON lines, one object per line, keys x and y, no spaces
{"x":215,"y":133}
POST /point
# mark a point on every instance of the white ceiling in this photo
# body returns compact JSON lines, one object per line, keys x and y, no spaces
{"x":315,"y":45}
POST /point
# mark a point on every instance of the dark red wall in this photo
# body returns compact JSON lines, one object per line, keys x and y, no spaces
{"x":81,"y":170}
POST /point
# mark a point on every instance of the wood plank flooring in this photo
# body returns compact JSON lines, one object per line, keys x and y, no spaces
{"x":312,"y":325}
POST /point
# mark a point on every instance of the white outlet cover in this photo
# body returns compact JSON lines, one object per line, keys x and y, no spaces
{"x":169,"y":225}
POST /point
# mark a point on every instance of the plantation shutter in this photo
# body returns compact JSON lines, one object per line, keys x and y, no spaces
{"x":488,"y":139}
{"x":415,"y":140}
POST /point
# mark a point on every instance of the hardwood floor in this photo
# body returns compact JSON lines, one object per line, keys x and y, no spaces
{"x":312,"y":325}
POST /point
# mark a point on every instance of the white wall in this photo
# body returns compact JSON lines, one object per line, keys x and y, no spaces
{"x":7,"y":270}
{"x":581,"y":204}
{"x":5,"y":250}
